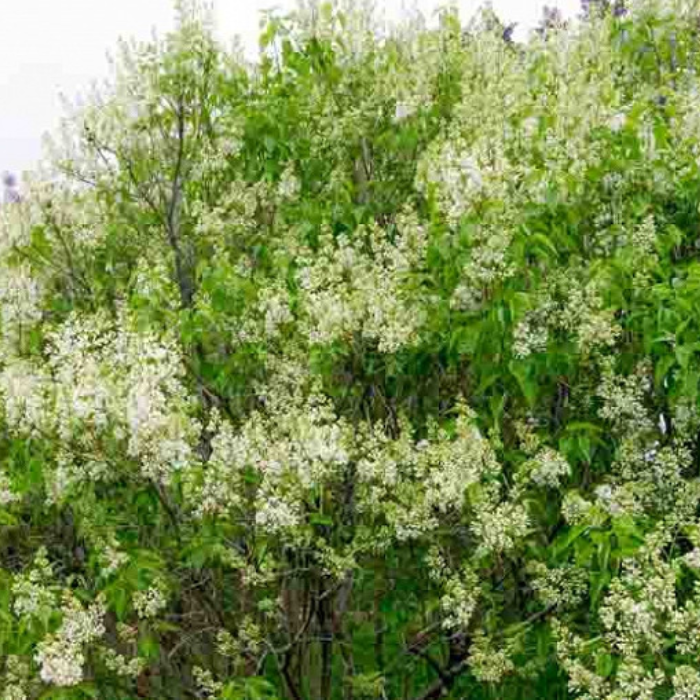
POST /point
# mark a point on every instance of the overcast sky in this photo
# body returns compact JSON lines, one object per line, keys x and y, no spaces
{"x":50,"y":48}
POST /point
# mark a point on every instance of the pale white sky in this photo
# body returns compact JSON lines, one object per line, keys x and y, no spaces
{"x":54,"y":47}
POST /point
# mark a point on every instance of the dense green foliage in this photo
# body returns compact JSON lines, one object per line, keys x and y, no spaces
{"x":368,"y":371}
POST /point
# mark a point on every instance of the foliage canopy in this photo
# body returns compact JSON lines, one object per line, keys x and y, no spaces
{"x":370,"y":371}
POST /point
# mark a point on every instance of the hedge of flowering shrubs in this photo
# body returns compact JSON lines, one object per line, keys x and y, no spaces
{"x":367,"y":371}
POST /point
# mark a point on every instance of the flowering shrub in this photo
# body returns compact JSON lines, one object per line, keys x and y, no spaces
{"x":368,"y":371}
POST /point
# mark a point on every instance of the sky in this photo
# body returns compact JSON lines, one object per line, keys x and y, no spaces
{"x":54,"y":48}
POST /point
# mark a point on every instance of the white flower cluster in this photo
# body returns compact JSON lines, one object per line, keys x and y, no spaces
{"x":7,"y":495}
{"x":457,"y":176}
{"x":655,"y":474}
{"x":61,"y":656}
{"x":548,"y":468}
{"x":618,"y":499}
{"x":530,"y":335}
{"x":624,"y":400}
{"x":642,"y":615}
{"x":562,"y":587}
{"x":686,"y":683}
{"x":359,"y":285}
{"x":649,"y":472}
{"x":487,"y":663}
{"x":161,"y":433}
{"x":15,"y":226}
{"x":293,"y":446}
{"x":234,"y":214}
{"x":248,"y":640}
{"x":289,"y":185}
{"x":499,"y":529}
{"x":14,"y":692}
{"x":154,"y":284}
{"x":21,"y":295}
{"x":409,"y":78}
{"x":298,"y":445}
{"x":581,"y":679}
{"x":575,"y":509}
{"x":631,"y":624}
{"x":585,"y":317}
{"x":15,"y":681}
{"x":34,"y":596}
{"x":26,"y":392}
{"x":105,"y":383}
{"x":460,"y":599}
{"x":480,"y":159}
{"x":274,"y":305}
{"x":150,"y":602}
{"x":208,"y":686}
{"x":487,"y":264}
{"x":119,"y":664}
{"x":410,"y":483}
{"x":274,"y":513}
{"x":685,"y":625}
{"x":21,"y":289}
{"x":570,"y":305}
{"x":112,"y":559}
